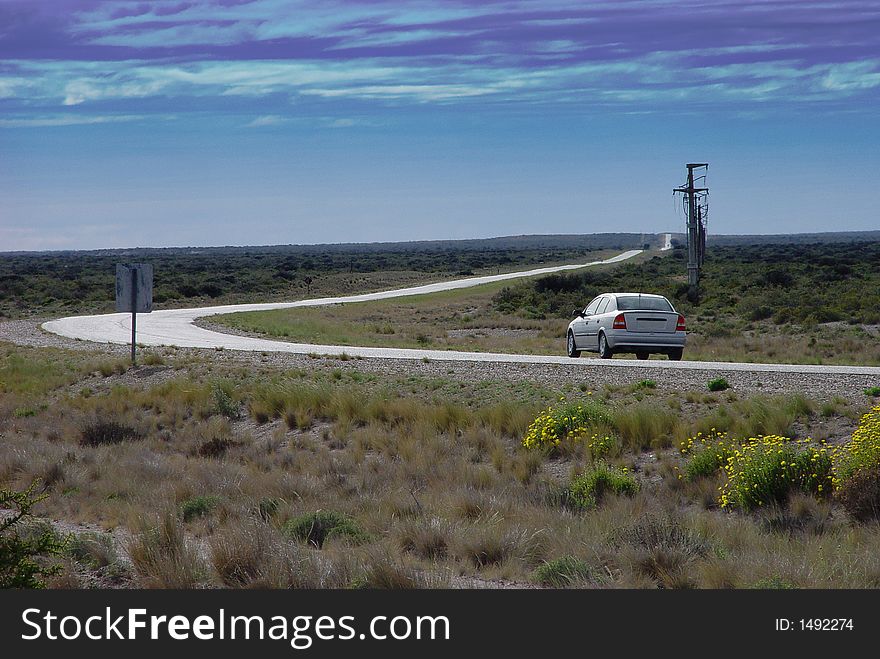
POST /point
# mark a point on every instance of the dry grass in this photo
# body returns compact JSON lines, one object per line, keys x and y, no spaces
{"x":467,"y":320}
{"x":431,"y":474}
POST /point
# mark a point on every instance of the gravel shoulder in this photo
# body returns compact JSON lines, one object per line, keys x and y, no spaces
{"x":593,"y":373}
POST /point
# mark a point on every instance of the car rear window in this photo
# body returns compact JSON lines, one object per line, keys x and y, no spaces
{"x":642,"y":303}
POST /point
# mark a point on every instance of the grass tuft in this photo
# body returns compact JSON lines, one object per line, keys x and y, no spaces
{"x":564,"y":572}
{"x":590,"y":488}
{"x":318,"y":527}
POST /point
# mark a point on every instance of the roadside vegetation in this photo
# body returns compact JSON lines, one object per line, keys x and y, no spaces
{"x":54,"y":283}
{"x":197,"y":472}
{"x":814,"y":303}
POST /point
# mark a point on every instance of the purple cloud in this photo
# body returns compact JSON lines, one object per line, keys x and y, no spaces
{"x":610,"y":51}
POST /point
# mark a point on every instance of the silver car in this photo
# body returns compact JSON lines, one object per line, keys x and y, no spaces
{"x":627,"y":322}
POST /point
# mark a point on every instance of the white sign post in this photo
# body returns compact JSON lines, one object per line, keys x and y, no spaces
{"x":134,"y":293}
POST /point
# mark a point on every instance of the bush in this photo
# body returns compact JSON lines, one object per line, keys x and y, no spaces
{"x":567,"y":424}
{"x":766,"y":470}
{"x":562,"y":572}
{"x":198,"y":507}
{"x":318,"y":527}
{"x":718,"y":384}
{"x":23,"y":550}
{"x":707,"y":454}
{"x":872,"y":391}
{"x":860,"y":494}
{"x":863,"y":450}
{"x":224,"y":401}
{"x":591,"y":487}
{"x":101,"y":432}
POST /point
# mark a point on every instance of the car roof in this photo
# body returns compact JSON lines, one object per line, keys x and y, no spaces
{"x":634,"y":294}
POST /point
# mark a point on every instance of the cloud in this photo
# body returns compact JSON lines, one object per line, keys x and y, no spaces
{"x":267,"y":120}
{"x":200,"y":54}
{"x":72,"y":120}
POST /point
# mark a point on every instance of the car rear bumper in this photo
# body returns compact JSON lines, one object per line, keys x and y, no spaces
{"x":622,"y":339}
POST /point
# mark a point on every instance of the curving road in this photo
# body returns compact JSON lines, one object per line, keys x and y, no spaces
{"x":175,"y":327}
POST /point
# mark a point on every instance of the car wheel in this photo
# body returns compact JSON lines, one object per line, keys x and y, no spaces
{"x":605,"y":351}
{"x":572,"y":348}
{"x":641,"y":355}
{"x":675,"y":355}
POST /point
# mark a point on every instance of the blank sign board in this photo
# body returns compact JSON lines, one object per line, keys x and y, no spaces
{"x":134,"y":287}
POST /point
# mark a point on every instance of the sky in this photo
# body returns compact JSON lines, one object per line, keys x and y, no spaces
{"x":253,"y":122}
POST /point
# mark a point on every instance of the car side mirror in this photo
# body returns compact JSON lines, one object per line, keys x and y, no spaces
{"x":577,"y":313}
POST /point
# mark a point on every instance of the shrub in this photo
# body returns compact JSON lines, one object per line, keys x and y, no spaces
{"x":23,"y":550}
{"x":101,"y":432}
{"x":860,"y":494}
{"x":562,"y":572}
{"x":872,"y":391}
{"x":707,"y":454}
{"x":224,"y":402}
{"x":766,"y":470}
{"x":718,"y":384}
{"x":198,"y":507}
{"x":591,"y":487}
{"x":567,"y":423}
{"x":863,"y":450}
{"x":318,"y":527}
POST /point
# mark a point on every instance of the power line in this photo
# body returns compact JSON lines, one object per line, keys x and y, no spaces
{"x":695,"y":203}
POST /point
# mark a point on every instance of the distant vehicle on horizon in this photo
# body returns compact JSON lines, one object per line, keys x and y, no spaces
{"x":638,"y":323}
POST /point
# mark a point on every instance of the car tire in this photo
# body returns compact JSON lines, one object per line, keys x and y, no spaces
{"x":571,"y":346}
{"x":642,"y":355}
{"x":675,"y":355}
{"x":605,"y":351}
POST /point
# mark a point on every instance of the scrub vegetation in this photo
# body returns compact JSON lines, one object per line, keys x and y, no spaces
{"x":202,"y":472}
{"x":55,"y":283}
{"x":789,"y":303}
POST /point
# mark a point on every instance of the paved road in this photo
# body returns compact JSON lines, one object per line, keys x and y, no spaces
{"x":174,"y":327}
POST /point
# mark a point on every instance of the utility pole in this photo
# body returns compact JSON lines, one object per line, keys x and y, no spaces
{"x":134,"y":297}
{"x":696,"y":206}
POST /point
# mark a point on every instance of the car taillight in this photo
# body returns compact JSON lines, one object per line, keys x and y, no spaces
{"x":619,"y":322}
{"x":680,"y":326}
